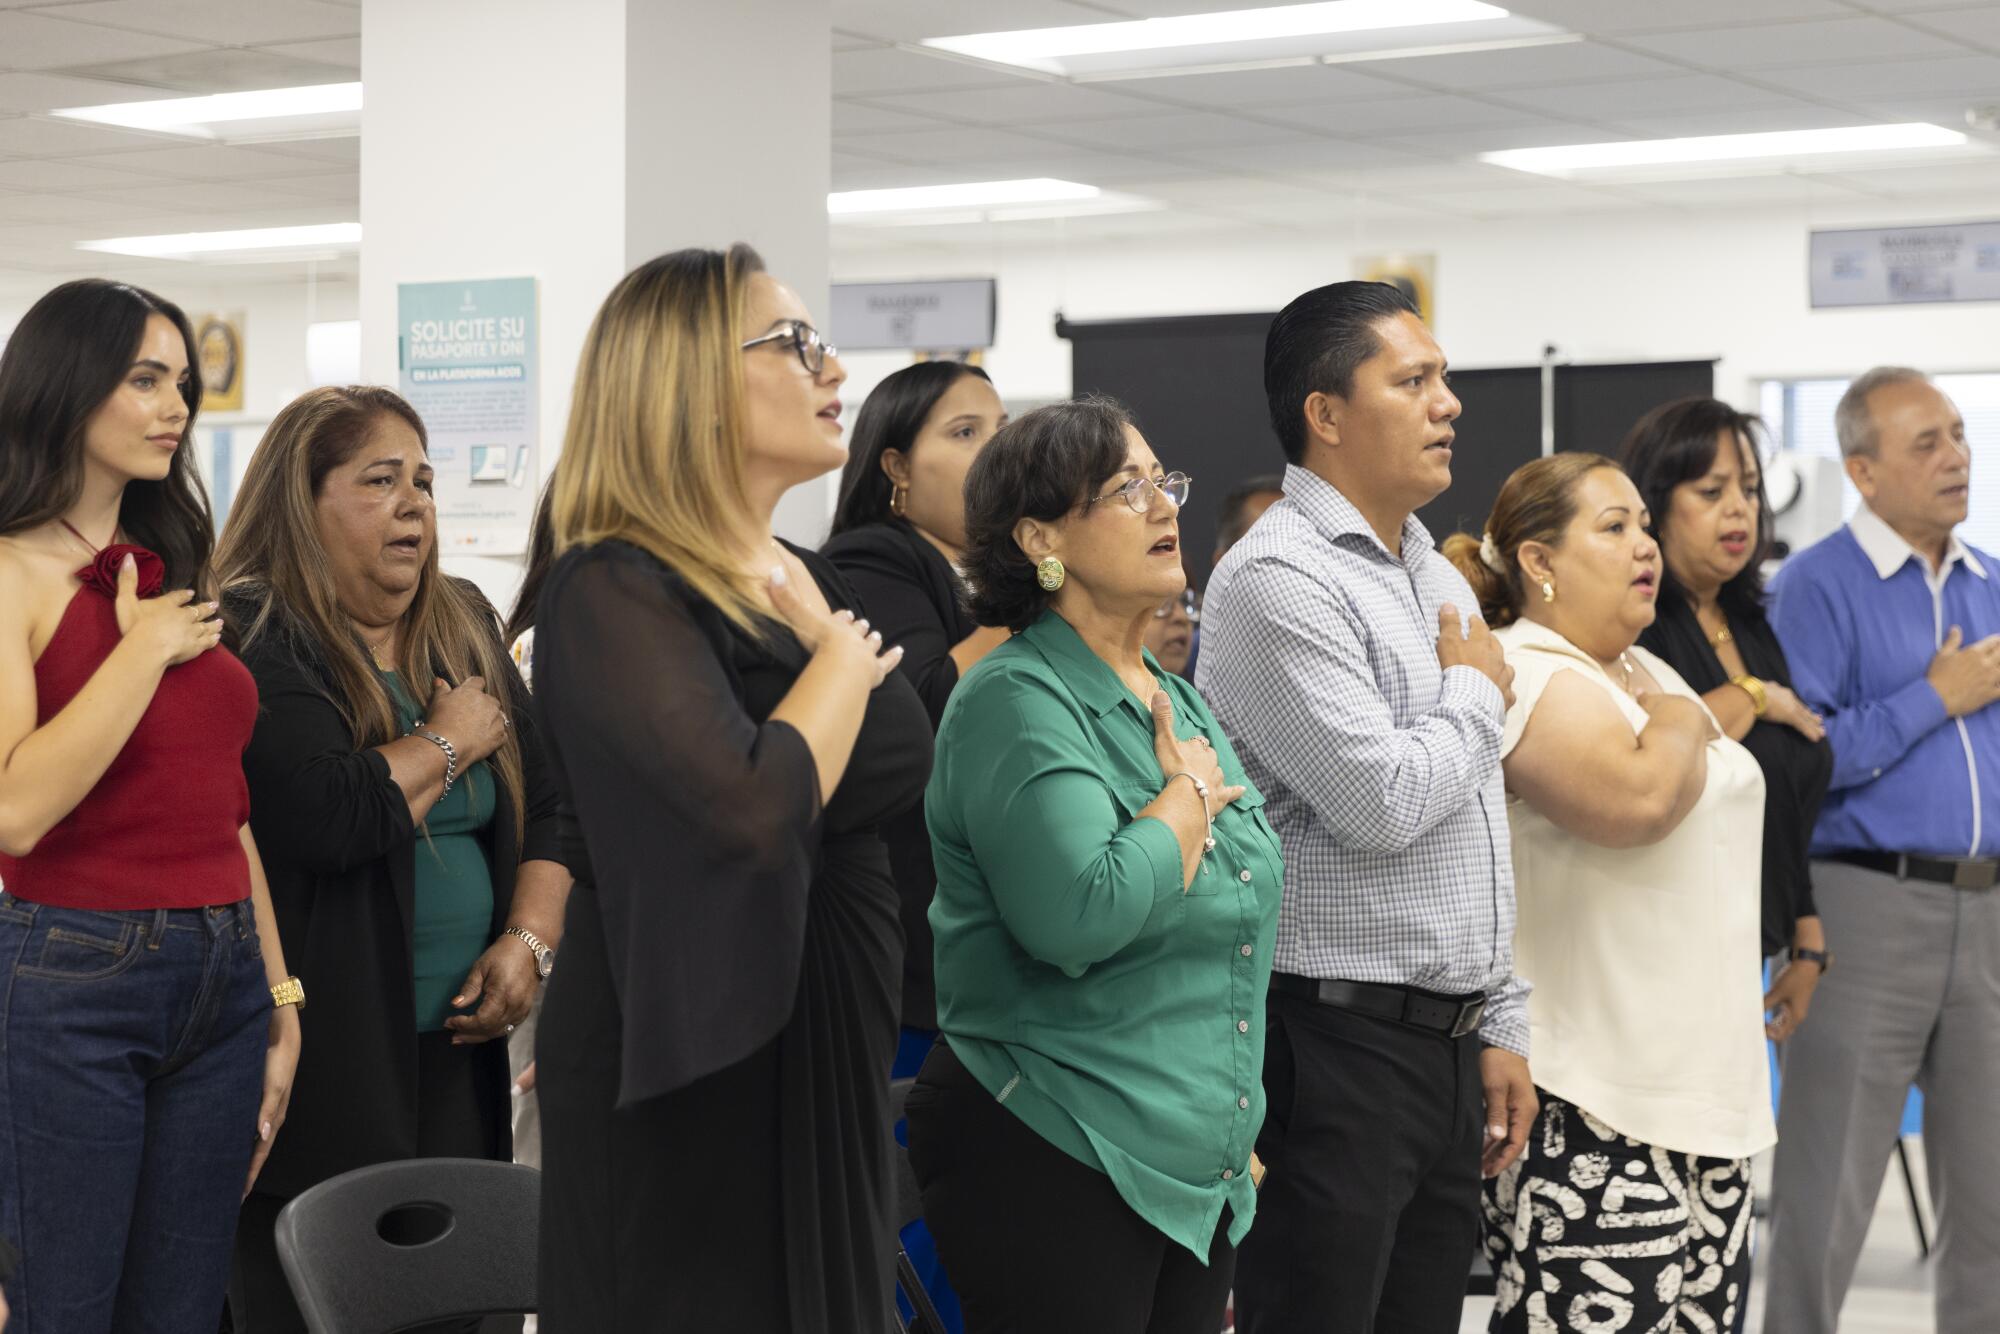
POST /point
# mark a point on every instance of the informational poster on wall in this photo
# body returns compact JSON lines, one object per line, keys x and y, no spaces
{"x":468,"y":359}
{"x":1893,"y":266}
{"x":1415,"y":274}
{"x":219,"y":338}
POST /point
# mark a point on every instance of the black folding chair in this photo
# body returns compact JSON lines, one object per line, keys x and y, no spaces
{"x":909,"y":1208}
{"x":387,"y":1247}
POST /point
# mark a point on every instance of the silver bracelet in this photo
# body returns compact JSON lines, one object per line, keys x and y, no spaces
{"x":450,"y":756}
{"x":1201,"y":790}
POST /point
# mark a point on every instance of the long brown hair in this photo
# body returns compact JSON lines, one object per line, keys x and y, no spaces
{"x":1535,"y":505}
{"x":653,"y":454}
{"x":272,"y":555}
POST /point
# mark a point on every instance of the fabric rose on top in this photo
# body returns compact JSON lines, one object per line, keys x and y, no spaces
{"x":102,"y":573}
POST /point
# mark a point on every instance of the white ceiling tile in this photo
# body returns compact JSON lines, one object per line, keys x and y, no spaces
{"x":47,"y":92}
{"x":1737,"y":191}
{"x":41,"y":206}
{"x":1121,"y":171}
{"x":1914,"y":6}
{"x":1571,"y":62}
{"x":1785,"y":44}
{"x":1643,"y":97}
{"x":208,"y":162}
{"x":1972,"y":76}
{"x":885,"y":69}
{"x":1024,"y":104}
{"x":1523,"y":200}
{"x":1978,"y":179}
{"x":49,"y":41}
{"x":345,"y":149}
{"x":913,"y":20}
{"x":1304,"y":155}
{"x":342,"y":51}
{"x":217,"y":69}
{"x":1623,"y":16}
{"x":340,"y":186}
{"x":852,"y":172}
{"x":948,"y":144}
{"x":30,"y":136}
{"x":848,"y":41}
{"x":1691,"y":124}
{"x":1464,"y":142}
{"x":1395,"y":116}
{"x":57,"y":174}
{"x":231,"y":22}
{"x":1175,"y":131}
{"x":868,"y":118}
{"x":208,"y":196}
{"x":1288,"y":84}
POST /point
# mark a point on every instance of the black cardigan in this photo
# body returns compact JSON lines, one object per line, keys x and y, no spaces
{"x":908,"y":591}
{"x":339,"y":851}
{"x":1796,"y":771}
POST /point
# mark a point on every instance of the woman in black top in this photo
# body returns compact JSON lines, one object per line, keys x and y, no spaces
{"x":897,"y":535}
{"x":414,"y":865}
{"x":1695,"y":463}
{"x":713,"y":1056}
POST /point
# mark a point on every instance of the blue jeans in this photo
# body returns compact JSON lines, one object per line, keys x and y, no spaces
{"x":131,"y":1068}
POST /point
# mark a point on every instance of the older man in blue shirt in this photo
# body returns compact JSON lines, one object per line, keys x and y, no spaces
{"x":1892,"y":626}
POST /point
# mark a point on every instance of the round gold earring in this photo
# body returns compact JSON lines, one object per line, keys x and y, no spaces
{"x":1050,"y":574}
{"x":1548,"y":590}
{"x":896,"y":503}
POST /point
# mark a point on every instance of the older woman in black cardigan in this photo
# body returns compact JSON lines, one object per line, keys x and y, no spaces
{"x":413,"y":846}
{"x":1695,"y":463}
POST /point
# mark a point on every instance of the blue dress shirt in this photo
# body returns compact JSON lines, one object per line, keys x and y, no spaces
{"x":1861,"y":615}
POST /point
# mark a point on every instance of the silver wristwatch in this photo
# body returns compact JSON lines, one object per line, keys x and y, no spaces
{"x":545,"y":958}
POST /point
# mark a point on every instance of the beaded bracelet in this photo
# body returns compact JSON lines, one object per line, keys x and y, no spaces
{"x":1201,"y":789}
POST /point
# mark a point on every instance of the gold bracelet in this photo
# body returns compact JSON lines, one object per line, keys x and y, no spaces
{"x":1751,"y":686}
{"x":291,"y":991}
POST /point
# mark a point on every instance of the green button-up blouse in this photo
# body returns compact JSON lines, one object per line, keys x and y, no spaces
{"x":1119,"y":1017}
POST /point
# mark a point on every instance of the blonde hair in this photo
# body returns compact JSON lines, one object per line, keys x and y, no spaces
{"x":1535,"y":504}
{"x":653,"y":454}
{"x":271,"y":552}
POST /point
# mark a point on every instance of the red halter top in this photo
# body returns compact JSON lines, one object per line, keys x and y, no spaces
{"x":160,"y":828}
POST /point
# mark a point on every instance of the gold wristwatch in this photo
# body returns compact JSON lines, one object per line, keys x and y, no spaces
{"x":291,"y":991}
{"x":1754,"y":688}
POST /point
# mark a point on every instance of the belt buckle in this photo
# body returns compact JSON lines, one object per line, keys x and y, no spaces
{"x":1975,"y":875}
{"x":1469,"y":1016}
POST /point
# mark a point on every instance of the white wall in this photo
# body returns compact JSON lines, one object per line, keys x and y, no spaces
{"x":1625,"y":286}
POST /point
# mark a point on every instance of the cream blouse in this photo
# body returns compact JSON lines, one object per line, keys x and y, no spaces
{"x":1647,"y":1003}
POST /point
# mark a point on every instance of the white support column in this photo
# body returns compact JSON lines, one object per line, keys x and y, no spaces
{"x":570,"y":142}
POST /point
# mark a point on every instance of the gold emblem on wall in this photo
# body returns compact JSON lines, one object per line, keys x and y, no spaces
{"x":219,"y":341}
{"x":1415,"y":274}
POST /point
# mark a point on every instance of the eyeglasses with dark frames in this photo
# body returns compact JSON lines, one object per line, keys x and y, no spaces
{"x":805,"y":340}
{"x":1139,"y":492}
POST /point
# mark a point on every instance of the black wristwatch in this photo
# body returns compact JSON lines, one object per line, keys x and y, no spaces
{"x":1824,"y":958}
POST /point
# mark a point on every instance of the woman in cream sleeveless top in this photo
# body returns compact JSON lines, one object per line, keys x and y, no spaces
{"x":1637,"y":833}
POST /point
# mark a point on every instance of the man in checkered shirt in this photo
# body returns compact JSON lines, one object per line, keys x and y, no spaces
{"x":1369,"y":715}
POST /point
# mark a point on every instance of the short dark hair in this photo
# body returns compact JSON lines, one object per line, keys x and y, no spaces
{"x":890,"y":419}
{"x":1229,"y":524}
{"x":1676,"y":443}
{"x":1315,"y":344}
{"x":1039,"y":466}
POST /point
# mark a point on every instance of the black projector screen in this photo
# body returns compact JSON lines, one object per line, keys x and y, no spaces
{"x":1196,"y":385}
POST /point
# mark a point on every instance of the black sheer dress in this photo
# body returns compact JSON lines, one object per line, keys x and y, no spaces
{"x":715,"y":1046}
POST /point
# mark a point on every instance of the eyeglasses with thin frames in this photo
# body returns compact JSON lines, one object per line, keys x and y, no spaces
{"x":805,"y":340}
{"x":1139,"y":492}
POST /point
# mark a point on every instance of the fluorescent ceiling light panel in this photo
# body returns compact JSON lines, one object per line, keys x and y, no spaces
{"x":196,"y":116}
{"x":189,"y":245}
{"x":1282,"y":30}
{"x":975,"y":194}
{"x":1773,"y":147}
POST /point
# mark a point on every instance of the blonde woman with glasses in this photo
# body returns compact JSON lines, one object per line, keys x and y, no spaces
{"x":713,"y":1062}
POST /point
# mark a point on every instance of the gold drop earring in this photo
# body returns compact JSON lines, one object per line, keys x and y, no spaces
{"x":1050,"y":574}
{"x":1548,"y":590}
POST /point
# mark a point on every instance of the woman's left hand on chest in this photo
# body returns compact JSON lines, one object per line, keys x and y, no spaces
{"x":502,"y":984}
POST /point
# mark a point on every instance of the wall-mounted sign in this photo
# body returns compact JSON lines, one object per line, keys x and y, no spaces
{"x":219,"y":341}
{"x":1893,"y":266}
{"x":1415,"y":274}
{"x":470,"y":368}
{"x":955,"y":315}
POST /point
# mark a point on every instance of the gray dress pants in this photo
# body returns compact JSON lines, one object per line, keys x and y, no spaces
{"x":1913,"y":997}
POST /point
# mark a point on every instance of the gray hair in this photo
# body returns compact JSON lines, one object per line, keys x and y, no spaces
{"x":1853,"y":424}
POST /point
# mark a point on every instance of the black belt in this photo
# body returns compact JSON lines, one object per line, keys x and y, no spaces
{"x":1453,"y":1016}
{"x":1959,"y":873}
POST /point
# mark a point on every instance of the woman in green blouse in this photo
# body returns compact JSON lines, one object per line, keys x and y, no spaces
{"x":1106,"y":908}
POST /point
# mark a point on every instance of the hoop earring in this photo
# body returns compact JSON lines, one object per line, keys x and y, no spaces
{"x":1050,"y":574}
{"x":1548,"y":590}
{"x":896,"y":503}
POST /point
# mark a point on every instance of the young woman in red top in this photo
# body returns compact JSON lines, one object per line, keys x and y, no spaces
{"x":147,"y":1035}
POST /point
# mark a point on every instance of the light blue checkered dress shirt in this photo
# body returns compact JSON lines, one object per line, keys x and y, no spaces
{"x":1380,"y":770}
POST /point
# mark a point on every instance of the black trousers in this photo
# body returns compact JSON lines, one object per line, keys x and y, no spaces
{"x":1034,"y":1241}
{"x":1369,"y":1216}
{"x":454,"y":1121}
